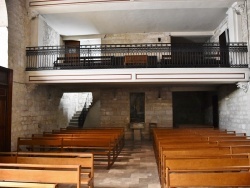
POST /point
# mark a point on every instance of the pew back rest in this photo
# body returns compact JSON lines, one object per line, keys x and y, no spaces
{"x":26,"y":144}
{"x":220,"y":177}
{"x":203,"y":163}
{"x":41,"y":173}
{"x":85,"y":160}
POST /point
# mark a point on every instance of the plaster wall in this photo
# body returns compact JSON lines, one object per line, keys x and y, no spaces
{"x":47,"y":36}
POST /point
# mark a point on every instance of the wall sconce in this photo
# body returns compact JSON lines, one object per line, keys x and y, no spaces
{"x":159,"y":94}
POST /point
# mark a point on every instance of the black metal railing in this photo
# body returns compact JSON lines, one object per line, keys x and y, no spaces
{"x":85,"y":110}
{"x":151,"y":55}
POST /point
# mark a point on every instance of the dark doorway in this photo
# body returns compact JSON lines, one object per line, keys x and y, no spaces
{"x":6,"y":76}
{"x":194,"y":108}
{"x":215,"y":111}
{"x":187,"y":51}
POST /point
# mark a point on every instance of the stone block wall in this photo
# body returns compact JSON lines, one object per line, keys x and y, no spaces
{"x":115,"y":108}
{"x":234,"y":109}
{"x":131,"y":38}
{"x":34,"y":108}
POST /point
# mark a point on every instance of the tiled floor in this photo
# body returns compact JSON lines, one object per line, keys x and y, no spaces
{"x":135,"y":168}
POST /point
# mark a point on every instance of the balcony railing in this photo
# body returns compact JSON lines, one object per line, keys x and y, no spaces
{"x":163,"y":55}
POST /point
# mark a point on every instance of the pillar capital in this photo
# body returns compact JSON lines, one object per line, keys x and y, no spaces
{"x":243,"y":85}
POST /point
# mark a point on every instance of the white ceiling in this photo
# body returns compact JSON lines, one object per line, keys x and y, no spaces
{"x":86,"y":17}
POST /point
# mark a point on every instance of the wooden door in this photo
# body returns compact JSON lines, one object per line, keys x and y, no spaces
{"x":3,"y":111}
{"x":72,"y":51}
{"x":5,"y":108}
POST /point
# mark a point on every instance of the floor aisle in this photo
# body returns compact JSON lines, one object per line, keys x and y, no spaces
{"x":135,"y":168}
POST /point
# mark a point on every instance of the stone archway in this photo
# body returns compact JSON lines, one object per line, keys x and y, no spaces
{"x":3,"y":34}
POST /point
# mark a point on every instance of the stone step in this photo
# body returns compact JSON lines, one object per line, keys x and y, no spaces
{"x":73,"y":120}
{"x":73,"y":124}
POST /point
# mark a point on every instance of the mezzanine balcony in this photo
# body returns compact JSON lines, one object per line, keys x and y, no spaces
{"x":150,"y":55}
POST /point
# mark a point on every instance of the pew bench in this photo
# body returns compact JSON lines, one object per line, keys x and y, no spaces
{"x":102,"y":147}
{"x":26,"y":184}
{"x":203,"y":163}
{"x":86,"y":161}
{"x":236,"y":176}
{"x":36,"y":173}
{"x":99,"y":147}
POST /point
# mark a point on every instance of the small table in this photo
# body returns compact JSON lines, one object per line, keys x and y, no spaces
{"x":137,"y":127}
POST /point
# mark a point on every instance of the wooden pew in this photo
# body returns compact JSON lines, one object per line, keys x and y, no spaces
{"x":167,"y":144}
{"x":26,"y":184}
{"x":37,"y":145}
{"x":86,"y":161}
{"x":236,"y":176}
{"x":102,"y":147}
{"x":116,"y":132}
{"x":199,"y":151}
{"x":196,"y":143}
{"x":195,"y":152}
{"x":34,"y":173}
{"x":203,"y":163}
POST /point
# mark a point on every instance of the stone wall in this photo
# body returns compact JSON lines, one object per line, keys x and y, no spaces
{"x":34,"y":108}
{"x":115,"y":109}
{"x":234,"y":103}
{"x":130,"y":38}
{"x":234,"y":109}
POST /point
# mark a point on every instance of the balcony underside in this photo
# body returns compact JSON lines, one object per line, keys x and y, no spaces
{"x":140,"y":76}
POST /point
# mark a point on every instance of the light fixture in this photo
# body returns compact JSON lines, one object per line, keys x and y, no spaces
{"x":159,"y":94}
{"x":114,"y":95}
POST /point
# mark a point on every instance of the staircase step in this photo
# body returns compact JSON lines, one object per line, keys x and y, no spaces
{"x":73,"y":124}
{"x":73,"y":120}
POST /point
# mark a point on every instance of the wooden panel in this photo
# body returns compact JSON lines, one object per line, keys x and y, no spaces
{"x":136,"y":59}
{"x":5,"y":108}
{"x":72,"y":51}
